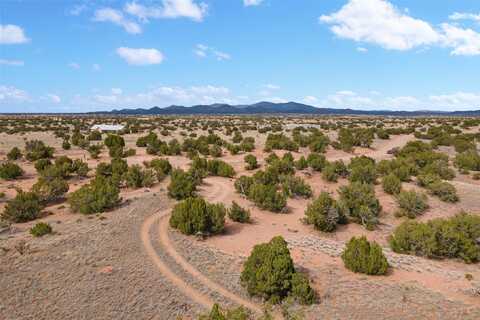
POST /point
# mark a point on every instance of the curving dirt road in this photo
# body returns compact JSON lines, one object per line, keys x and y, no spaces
{"x":183,"y":286}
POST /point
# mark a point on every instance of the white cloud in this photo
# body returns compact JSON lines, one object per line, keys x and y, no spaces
{"x":169,"y":9}
{"x":117,"y":91}
{"x":248,"y":3}
{"x":54,"y":98}
{"x":271,"y":86}
{"x":117,"y":17}
{"x":14,"y":63}
{"x":12,"y":34}
{"x":346,"y":93}
{"x":203,"y":51}
{"x":362,"y":49}
{"x":162,"y":96}
{"x":310,"y":100}
{"x":379,"y":22}
{"x":142,"y":12}
{"x":105,"y":99}
{"x":221,"y":55}
{"x":74,"y":65}
{"x":465,"y":42}
{"x":140,"y":56}
{"x":456,"y":101}
{"x":465,"y":16}
{"x":184,"y":8}
{"x":77,"y":9}
{"x":277,"y":100}
{"x":12,"y":94}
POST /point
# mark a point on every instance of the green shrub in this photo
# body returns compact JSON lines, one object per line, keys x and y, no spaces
{"x":251,"y":162}
{"x":243,"y":184}
{"x":301,"y":163}
{"x":238,"y":214}
{"x":267,"y":197}
{"x":324,"y":213}
{"x":280,"y":142}
{"x":50,"y":189}
{"x":444,"y":190}
{"x":301,"y":289}
{"x":36,"y":149}
{"x":94,"y":150}
{"x":316,"y":161}
{"x":24,"y":207}
{"x":134,"y":176}
{"x":411,"y":203}
{"x":440,"y":168}
{"x":361,"y":256}
{"x":10,"y":170}
{"x":295,"y":186}
{"x":217,"y":313}
{"x":40,"y":229}
{"x":14,"y":154}
{"x":195,"y":215}
{"x":391,"y":184}
{"x":79,"y":167}
{"x":220,"y":168}
{"x":319,"y":143}
{"x":362,"y":169}
{"x":162,"y":167}
{"x":95,"y":136}
{"x":182,"y":185}
{"x":468,"y":160}
{"x":269,"y":273}
{"x":66,"y":145}
{"x":99,"y":195}
{"x":358,"y":202}
{"x":455,"y":237}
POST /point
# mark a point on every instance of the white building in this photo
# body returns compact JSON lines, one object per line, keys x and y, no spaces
{"x":107,"y":127}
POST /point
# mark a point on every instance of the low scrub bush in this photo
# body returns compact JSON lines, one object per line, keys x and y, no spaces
{"x":267,"y":197}
{"x":391,"y":184}
{"x":14,"y":154}
{"x":269,"y":273}
{"x":411,"y":204}
{"x":454,"y":237}
{"x":295,"y":186}
{"x":324,"y":213}
{"x":10,"y":170}
{"x":218,"y":313}
{"x":182,"y":185}
{"x":361,"y":256}
{"x":40,"y":229}
{"x":99,"y":195}
{"x":238,"y":214}
{"x":50,"y":189}
{"x":26,"y":206}
{"x":362,"y":169}
{"x":195,"y":215}
{"x":358,"y":202}
{"x":251,"y":162}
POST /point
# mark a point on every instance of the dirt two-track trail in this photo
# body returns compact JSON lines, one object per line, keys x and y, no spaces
{"x":161,"y":219}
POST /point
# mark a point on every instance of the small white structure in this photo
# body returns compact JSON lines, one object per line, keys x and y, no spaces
{"x":107,"y":127}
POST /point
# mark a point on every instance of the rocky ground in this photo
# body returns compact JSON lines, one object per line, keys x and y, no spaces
{"x":91,"y":268}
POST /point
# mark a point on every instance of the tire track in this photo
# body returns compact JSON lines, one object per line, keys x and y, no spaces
{"x":219,"y":194}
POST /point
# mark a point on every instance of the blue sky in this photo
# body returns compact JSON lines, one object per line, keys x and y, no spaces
{"x":71,"y":56}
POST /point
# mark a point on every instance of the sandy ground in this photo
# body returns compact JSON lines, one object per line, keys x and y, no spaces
{"x":127,"y":254}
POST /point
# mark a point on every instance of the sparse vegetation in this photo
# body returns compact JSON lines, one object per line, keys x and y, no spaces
{"x":269,"y":273}
{"x":362,"y":256}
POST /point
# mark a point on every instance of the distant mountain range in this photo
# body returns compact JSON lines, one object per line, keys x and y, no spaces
{"x":276,"y":108}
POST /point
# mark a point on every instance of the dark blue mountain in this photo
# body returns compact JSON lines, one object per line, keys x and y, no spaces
{"x":265,"y":107}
